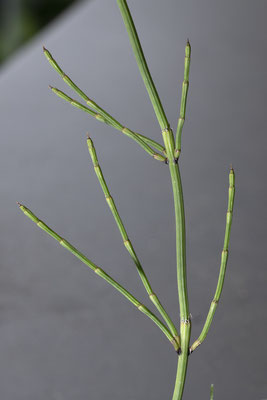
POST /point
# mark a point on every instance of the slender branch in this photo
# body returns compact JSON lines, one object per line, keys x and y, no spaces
{"x":183,"y":99}
{"x":224,"y":257}
{"x":127,"y":242}
{"x":99,"y":117}
{"x":152,"y":143}
{"x":99,"y":272}
{"x":142,"y":64}
{"x":211,"y":392}
{"x":69,"y":82}
{"x":102,"y":113}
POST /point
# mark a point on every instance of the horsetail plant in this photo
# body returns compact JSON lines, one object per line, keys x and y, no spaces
{"x":168,"y":153}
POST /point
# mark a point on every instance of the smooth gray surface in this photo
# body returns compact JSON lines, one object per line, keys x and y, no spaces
{"x":64,"y":333}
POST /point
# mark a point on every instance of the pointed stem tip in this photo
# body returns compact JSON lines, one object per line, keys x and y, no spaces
{"x":188,"y":49}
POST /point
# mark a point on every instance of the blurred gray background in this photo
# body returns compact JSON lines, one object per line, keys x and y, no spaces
{"x":64,"y":333}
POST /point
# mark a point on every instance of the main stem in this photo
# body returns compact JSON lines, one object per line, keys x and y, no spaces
{"x":185,"y":325}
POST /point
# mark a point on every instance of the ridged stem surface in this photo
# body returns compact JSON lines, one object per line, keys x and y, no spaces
{"x":185,"y":326}
{"x":224,"y":258}
{"x":99,"y":117}
{"x":127,"y":242}
{"x":100,"y":272}
{"x":185,"y":323}
{"x":185,"y":87}
{"x":103,"y":115}
{"x":142,"y":64}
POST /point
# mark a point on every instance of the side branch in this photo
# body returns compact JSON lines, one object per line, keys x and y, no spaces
{"x":183,"y":99}
{"x":142,"y":64}
{"x":131,"y":134}
{"x":127,"y":242}
{"x":101,"y":114}
{"x":224,"y":258}
{"x":99,"y":272}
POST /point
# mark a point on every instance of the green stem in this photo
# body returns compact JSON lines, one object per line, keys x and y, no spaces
{"x":185,"y":323}
{"x":72,"y":85}
{"x":211,"y":392}
{"x":100,"y":272}
{"x":183,"y":99}
{"x":224,"y":258}
{"x":182,"y":361}
{"x":142,"y":64}
{"x":177,"y":194}
{"x":152,"y":143}
{"x":99,"y":117}
{"x":127,"y":242}
{"x":102,"y":115}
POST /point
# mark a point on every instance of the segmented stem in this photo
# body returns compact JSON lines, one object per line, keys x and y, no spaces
{"x":170,"y":154}
{"x":103,"y":115}
{"x":180,"y":223}
{"x":99,"y":117}
{"x":183,"y":99}
{"x":185,"y":323}
{"x":224,"y":257}
{"x":99,"y":272}
{"x":127,"y":242}
{"x":142,"y":64}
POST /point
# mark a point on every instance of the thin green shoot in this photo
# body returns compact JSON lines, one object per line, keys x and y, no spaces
{"x":127,"y":242}
{"x":99,"y":117}
{"x":224,"y":258}
{"x":142,"y":64}
{"x":107,"y":117}
{"x":100,"y":272}
{"x":212,"y":392}
{"x":185,"y":87}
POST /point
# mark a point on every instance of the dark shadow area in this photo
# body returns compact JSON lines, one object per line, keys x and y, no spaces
{"x":22,"y":19}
